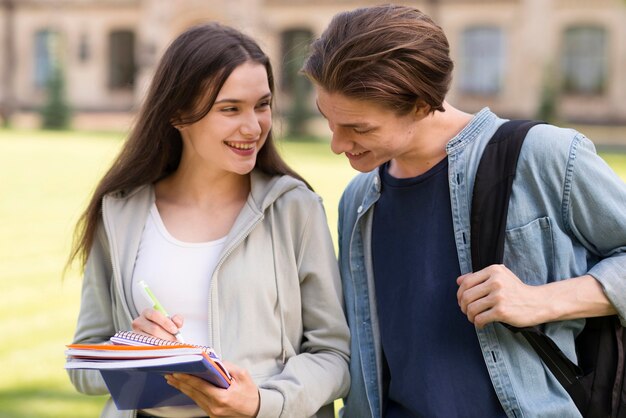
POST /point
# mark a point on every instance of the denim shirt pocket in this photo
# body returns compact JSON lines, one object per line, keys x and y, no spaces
{"x":529,"y":251}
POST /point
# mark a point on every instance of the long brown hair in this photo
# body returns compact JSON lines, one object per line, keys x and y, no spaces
{"x":395,"y":56}
{"x":197,"y":61}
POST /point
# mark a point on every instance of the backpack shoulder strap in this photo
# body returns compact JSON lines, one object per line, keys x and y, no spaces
{"x":490,"y":202}
{"x":492,"y":190}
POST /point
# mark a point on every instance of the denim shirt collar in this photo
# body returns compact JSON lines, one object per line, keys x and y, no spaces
{"x":472,"y":130}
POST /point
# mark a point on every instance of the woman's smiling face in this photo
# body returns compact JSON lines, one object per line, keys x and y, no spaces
{"x":229,"y":137}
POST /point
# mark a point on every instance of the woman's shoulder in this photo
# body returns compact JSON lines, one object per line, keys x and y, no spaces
{"x":129,"y":203}
{"x":298,"y":191}
{"x":131,"y":193}
{"x":268,"y":189}
{"x":293,"y":206}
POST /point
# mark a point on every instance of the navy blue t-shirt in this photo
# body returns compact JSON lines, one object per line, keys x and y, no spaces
{"x":434,"y":366}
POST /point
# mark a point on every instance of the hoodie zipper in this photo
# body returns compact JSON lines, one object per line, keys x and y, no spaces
{"x":230,"y":250}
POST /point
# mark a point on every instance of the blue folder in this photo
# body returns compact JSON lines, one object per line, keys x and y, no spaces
{"x":146,"y":387}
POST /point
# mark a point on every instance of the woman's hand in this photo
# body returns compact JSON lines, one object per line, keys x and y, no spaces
{"x":241,"y":399}
{"x":155,"y":324}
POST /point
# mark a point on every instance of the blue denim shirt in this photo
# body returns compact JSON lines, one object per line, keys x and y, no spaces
{"x":567,"y":218}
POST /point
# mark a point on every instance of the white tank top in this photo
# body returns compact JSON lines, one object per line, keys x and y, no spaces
{"x":179,"y":275}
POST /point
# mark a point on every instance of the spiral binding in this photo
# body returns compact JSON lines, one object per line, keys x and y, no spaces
{"x":124,"y":337}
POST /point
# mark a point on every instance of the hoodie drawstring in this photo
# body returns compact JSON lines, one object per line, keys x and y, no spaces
{"x":280,"y":310}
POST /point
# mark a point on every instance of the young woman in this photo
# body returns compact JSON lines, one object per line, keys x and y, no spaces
{"x":200,"y":206}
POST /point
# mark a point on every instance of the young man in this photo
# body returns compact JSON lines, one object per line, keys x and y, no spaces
{"x":427,"y":338}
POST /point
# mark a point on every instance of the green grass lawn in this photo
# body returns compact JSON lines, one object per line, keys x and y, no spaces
{"x":45,"y":180}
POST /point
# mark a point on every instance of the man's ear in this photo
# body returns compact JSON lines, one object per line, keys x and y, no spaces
{"x":422,"y":109}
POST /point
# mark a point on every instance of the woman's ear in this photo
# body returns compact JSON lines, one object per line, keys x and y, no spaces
{"x":176,"y":122}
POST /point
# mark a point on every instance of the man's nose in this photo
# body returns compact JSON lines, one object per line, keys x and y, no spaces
{"x":339,"y":143}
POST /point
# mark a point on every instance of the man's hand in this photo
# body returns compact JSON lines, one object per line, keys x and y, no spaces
{"x":495,"y":294}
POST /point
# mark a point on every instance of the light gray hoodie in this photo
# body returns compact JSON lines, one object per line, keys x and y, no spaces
{"x":275,"y":306}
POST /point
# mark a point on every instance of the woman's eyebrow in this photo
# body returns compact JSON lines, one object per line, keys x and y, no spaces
{"x":227,"y":100}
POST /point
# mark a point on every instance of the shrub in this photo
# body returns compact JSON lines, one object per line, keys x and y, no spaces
{"x":56,"y":113}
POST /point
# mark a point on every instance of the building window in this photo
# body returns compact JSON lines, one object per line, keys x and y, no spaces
{"x":83,"y":48}
{"x":122,"y":59}
{"x":482,"y":60}
{"x":46,"y":56}
{"x":584,"y":62}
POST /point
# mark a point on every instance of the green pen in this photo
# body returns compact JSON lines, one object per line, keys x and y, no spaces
{"x":156,"y":305}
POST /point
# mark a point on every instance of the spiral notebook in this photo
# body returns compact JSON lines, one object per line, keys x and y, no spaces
{"x":133,"y":365}
{"x":130,"y":338}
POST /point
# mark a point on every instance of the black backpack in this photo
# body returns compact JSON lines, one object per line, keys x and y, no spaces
{"x":596,"y":384}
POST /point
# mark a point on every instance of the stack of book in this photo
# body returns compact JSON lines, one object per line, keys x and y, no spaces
{"x":133,"y":368}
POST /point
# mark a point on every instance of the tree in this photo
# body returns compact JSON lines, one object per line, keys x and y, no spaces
{"x":548,"y":101}
{"x":56,"y":113}
{"x":7,"y":66}
{"x":295,"y":46}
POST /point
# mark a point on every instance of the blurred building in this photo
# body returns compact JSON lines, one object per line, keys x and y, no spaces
{"x":515,"y":56}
